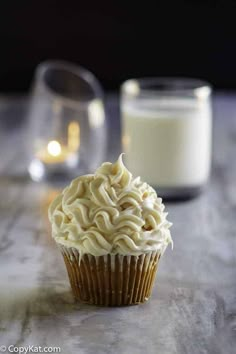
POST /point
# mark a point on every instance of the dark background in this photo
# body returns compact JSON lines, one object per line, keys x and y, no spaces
{"x":116,"y":41}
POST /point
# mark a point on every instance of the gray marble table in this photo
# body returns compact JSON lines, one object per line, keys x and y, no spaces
{"x":193,"y":308}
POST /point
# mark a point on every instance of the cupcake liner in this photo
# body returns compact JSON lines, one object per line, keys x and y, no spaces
{"x":111,"y":280}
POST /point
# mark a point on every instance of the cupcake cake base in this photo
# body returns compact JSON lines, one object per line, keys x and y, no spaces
{"x":111,"y":280}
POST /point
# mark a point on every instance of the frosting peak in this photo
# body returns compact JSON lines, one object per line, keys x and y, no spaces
{"x":110,"y":212}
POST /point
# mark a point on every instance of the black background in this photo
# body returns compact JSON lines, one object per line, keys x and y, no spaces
{"x":117,"y":41}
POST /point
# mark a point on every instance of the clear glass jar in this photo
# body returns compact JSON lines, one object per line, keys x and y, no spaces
{"x":67,"y":121}
{"x":167,"y":133}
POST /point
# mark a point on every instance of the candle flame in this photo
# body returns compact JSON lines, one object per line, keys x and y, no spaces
{"x":54,"y":148}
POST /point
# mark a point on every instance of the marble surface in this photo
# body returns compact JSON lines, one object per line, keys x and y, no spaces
{"x":193,"y":307}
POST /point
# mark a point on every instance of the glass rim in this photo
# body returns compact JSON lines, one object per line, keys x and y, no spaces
{"x":77,"y":70}
{"x":153,"y":86}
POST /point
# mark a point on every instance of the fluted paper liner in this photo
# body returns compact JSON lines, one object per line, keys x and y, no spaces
{"x":111,"y":280}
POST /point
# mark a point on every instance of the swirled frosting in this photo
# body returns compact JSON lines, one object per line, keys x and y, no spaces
{"x":110,"y":213}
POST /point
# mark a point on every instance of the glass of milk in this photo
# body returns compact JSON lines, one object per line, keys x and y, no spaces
{"x":167,"y":133}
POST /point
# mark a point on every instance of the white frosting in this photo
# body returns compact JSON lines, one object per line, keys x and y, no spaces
{"x":110,"y":213}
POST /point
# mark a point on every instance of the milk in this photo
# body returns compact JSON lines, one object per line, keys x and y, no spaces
{"x":168,"y":141}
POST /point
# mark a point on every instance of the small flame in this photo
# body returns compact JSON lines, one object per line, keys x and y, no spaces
{"x":54,"y":148}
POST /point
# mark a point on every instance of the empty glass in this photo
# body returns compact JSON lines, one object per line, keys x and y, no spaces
{"x":67,"y":121}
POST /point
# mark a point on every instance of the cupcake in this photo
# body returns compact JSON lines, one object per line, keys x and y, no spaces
{"x":112,"y":231}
